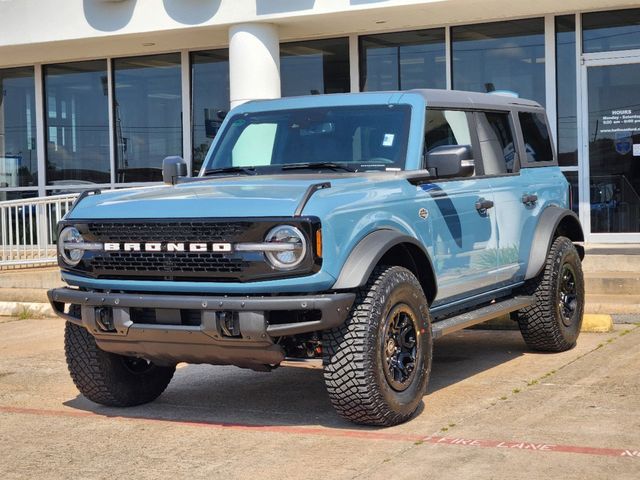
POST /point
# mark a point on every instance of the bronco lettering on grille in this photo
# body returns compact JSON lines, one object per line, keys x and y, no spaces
{"x":168,"y":247}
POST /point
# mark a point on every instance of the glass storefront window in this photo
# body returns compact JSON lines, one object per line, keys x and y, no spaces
{"x":500,"y":56}
{"x":77,"y":123}
{"x":148,"y":115}
{"x":614,"y":138}
{"x":315,"y":67}
{"x":18,"y":157}
{"x":566,"y":90}
{"x":209,"y":99}
{"x":403,"y":60}
{"x":17,"y":194}
{"x":615,"y":30}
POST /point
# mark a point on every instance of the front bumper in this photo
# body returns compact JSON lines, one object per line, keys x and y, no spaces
{"x":205,"y":343}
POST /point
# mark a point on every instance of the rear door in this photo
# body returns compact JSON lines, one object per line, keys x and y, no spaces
{"x":465,"y":237}
{"x":517,"y":194}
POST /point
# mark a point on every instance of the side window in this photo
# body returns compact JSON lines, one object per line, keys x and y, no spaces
{"x":495,"y":134}
{"x":446,"y":127}
{"x":254,"y":145}
{"x":536,"y":137}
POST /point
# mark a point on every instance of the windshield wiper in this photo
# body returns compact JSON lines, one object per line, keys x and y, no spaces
{"x":314,"y":165}
{"x":245,"y":170}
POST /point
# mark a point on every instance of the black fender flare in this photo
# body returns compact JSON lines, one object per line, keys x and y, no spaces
{"x":550,"y":219}
{"x":367,"y":253}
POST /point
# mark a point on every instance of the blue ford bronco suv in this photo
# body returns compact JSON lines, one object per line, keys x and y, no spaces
{"x":353,"y":228}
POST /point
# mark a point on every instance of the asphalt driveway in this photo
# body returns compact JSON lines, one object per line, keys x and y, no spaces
{"x":494,"y":410}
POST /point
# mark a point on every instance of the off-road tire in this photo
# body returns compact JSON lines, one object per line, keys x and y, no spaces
{"x":353,"y":354}
{"x":106,"y":378}
{"x":542,"y":325}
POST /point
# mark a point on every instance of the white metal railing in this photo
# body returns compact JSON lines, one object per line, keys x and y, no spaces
{"x":28,"y":230}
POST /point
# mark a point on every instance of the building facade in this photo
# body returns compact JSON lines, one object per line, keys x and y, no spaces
{"x":97,"y":92}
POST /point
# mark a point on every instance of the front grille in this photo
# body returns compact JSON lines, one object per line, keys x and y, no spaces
{"x":173,"y":263}
{"x":168,"y":232}
{"x":186,"y":266}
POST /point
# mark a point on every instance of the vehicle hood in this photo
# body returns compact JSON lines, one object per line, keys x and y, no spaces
{"x":227,"y":197}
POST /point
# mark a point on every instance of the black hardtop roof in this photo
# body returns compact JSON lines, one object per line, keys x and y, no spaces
{"x":462,"y":99}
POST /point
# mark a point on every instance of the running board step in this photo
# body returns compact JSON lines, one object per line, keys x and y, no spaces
{"x":468,"y":319}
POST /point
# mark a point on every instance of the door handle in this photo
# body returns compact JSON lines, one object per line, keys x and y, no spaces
{"x":529,"y":199}
{"x":482,"y":205}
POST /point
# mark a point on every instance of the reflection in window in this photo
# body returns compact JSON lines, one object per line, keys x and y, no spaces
{"x":613,"y":98}
{"x":148,"y":115}
{"x":315,"y":67}
{"x":210,"y":99}
{"x":572,"y":178}
{"x":372,"y":137}
{"x":17,"y":195}
{"x":254,"y":146}
{"x":446,"y":127}
{"x":18,"y":158}
{"x":77,"y":123}
{"x":535,"y":133}
{"x":500,"y":56}
{"x":403,"y":60}
{"x":616,"y":30}
{"x":566,"y":90}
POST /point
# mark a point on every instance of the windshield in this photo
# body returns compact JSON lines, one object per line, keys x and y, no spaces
{"x":354,"y":138}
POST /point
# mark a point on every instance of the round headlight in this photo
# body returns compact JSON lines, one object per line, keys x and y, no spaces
{"x":69,"y":236}
{"x":289,"y":247}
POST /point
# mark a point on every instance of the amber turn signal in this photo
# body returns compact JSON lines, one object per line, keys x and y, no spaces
{"x":319,"y":242}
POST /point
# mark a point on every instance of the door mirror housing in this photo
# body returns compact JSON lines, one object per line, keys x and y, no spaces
{"x":451,"y":161}
{"x":172,"y":169}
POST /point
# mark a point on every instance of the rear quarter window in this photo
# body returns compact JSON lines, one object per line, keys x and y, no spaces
{"x":535,"y":133}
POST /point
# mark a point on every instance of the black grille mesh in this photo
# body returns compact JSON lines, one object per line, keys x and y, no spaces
{"x":174,"y":262}
{"x":168,"y":232}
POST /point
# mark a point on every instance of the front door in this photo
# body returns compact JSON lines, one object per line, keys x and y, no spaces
{"x":611,"y":146}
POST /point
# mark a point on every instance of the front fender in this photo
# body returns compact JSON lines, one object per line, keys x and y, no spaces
{"x":367,"y":253}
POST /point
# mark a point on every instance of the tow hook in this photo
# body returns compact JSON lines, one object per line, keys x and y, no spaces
{"x":104,"y":319}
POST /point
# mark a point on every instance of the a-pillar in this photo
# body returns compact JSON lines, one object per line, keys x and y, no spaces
{"x":254,"y":62}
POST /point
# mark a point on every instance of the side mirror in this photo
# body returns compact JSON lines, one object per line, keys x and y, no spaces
{"x":172,"y":169}
{"x":451,"y":161}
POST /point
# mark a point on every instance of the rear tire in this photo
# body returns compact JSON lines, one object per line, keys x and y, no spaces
{"x":553,"y":323}
{"x":377,"y":364}
{"x":107,"y":378}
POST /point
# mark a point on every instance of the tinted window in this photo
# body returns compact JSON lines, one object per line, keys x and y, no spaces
{"x":314,"y":67}
{"x":209,"y":99}
{"x":77,"y":123}
{"x":496,"y":142}
{"x":403,"y":60}
{"x":500,"y":56}
{"x":446,"y":127}
{"x":536,"y":137}
{"x":616,"y":30}
{"x":18,"y":157}
{"x":148,"y":115}
{"x":361,"y":137}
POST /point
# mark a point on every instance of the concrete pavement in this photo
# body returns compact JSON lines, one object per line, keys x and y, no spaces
{"x":493,"y":410}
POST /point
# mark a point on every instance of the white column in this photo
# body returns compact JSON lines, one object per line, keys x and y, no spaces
{"x":186,"y":110}
{"x":354,"y":63}
{"x":254,"y":62}
{"x":550,"y":73}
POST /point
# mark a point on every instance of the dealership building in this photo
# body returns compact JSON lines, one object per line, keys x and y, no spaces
{"x":95,"y":93}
